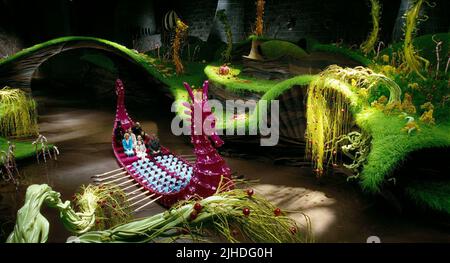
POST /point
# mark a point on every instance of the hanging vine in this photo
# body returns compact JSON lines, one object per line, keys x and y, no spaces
{"x":180,"y":32}
{"x":412,"y":62}
{"x":18,"y":116}
{"x":368,"y":46}
{"x":226,"y":54}
{"x":259,"y":23}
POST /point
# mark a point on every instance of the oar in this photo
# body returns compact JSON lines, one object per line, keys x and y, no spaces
{"x":128,"y":187}
{"x":132,"y":192}
{"x":103,"y":174}
{"x":134,"y":197}
{"x":151,"y":202}
{"x":143,"y":199}
{"x":131,"y":180}
{"x":115,"y":180}
{"x":109,"y":177}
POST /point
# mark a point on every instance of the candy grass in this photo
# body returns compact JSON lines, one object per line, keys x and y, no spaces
{"x":237,"y":82}
{"x":346,"y":52}
{"x":274,"y":49}
{"x":391,"y":145}
{"x":23,"y":149}
{"x":435,"y":195}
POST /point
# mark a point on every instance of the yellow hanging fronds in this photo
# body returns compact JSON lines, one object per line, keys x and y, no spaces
{"x":331,"y":96}
{"x":18,"y":115}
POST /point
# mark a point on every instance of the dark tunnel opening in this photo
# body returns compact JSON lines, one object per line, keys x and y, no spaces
{"x":86,"y":77}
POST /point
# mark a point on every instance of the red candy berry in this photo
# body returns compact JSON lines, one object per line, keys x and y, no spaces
{"x":193,"y":215}
{"x":277,"y":211}
{"x":198,"y":207}
{"x":235,"y":232}
{"x":250,"y":192}
{"x":246,"y":211}
{"x":293,"y":230}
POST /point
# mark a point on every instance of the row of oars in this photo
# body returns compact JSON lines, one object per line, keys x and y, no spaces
{"x":135,"y":193}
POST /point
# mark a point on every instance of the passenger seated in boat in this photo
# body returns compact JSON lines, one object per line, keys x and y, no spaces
{"x":145,"y":138}
{"x":133,"y":137}
{"x":137,"y":129}
{"x":118,"y":132}
{"x":154,"y":146}
{"x":140,"y":149}
{"x":128,"y":144}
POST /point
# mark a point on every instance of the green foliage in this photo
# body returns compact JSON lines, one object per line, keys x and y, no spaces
{"x":369,"y":45}
{"x":274,"y":49}
{"x":226,"y":54}
{"x":18,"y":116}
{"x":431,"y":90}
{"x":425,"y":45}
{"x":221,"y":213}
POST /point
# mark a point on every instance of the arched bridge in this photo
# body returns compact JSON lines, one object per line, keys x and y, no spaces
{"x":17,"y":70}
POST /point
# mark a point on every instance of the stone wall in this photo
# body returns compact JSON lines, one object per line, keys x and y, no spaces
{"x":9,"y":44}
{"x":288,"y":20}
{"x":198,"y":15}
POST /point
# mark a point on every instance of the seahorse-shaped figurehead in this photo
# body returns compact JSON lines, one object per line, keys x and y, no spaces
{"x":209,"y":167}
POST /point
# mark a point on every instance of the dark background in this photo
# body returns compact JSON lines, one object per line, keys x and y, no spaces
{"x":328,"y":21}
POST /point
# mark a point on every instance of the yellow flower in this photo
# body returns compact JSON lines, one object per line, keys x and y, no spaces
{"x":414,"y":86}
{"x":385,"y":58}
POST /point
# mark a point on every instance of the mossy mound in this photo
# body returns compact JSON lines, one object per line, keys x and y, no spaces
{"x":23,"y":149}
{"x":435,"y":195}
{"x":274,"y":49}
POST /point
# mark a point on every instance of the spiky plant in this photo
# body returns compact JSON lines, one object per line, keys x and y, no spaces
{"x":18,"y":115}
{"x":368,"y":46}
{"x":180,"y":33}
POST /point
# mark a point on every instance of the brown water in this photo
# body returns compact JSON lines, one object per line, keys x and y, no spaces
{"x":338,"y":210}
